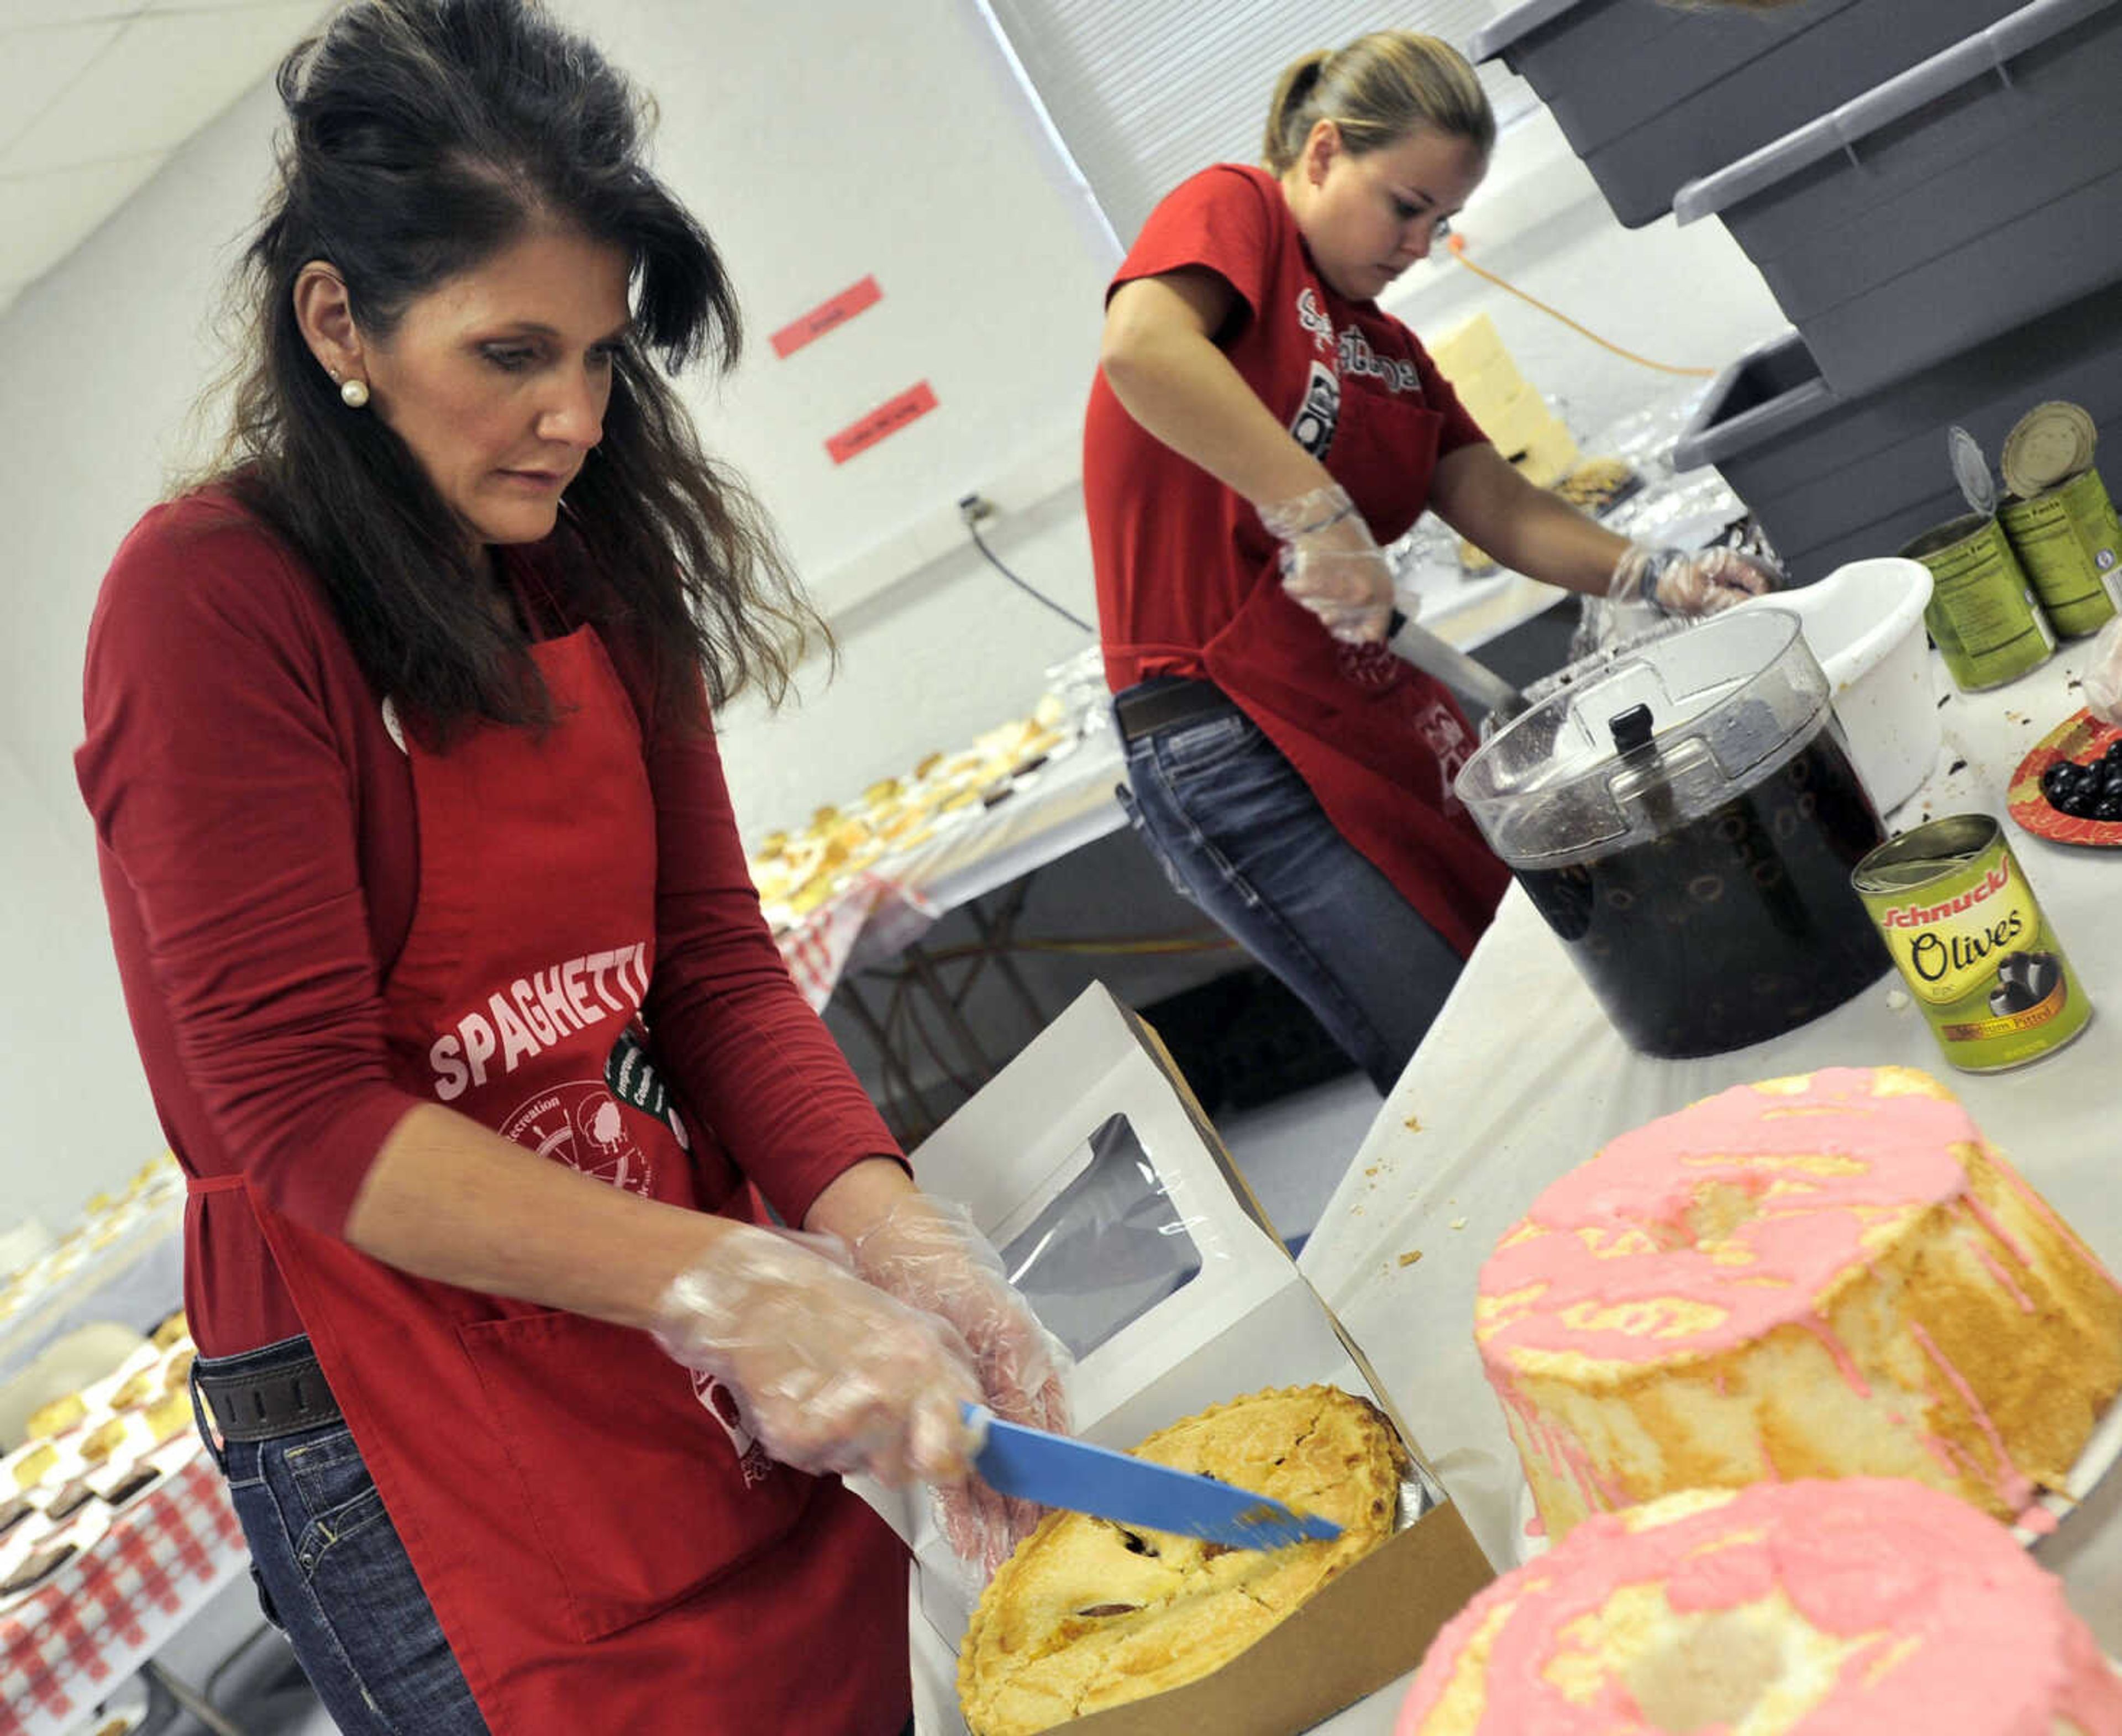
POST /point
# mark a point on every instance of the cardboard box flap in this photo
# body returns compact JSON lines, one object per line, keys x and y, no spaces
{"x":1356,"y":1634}
{"x":1119,"y":1212}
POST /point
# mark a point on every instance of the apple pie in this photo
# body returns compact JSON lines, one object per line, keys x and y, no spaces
{"x":1089,"y":1614}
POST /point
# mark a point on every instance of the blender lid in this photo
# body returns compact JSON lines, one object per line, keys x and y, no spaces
{"x":1667,"y":731}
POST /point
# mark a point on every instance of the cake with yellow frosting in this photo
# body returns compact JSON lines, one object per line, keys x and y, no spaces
{"x":1863,"y":1605}
{"x":1826,"y":1275}
{"x":35,"y":1465}
{"x":55,"y":1416}
{"x":1087,"y":1614}
{"x":170,"y":1415}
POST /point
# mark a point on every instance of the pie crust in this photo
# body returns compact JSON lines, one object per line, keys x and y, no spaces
{"x":1088,"y":1614}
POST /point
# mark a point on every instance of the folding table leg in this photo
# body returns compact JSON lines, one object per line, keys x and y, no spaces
{"x":191,"y":1700}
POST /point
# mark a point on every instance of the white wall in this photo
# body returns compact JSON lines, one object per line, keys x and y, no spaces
{"x":885,"y":140}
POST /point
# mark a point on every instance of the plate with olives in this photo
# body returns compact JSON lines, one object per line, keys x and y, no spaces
{"x":2069,"y":788}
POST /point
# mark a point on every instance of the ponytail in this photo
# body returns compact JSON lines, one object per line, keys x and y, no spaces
{"x":1377,"y":90}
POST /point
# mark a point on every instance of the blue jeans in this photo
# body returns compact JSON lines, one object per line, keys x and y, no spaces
{"x":1242,"y":835}
{"x":331,"y":1572}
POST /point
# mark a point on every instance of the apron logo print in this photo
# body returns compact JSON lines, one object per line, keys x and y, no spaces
{"x":1320,"y":413}
{"x":579,"y":1123}
{"x":1368,"y":665}
{"x":633,"y":1079}
{"x":1440,"y":731}
{"x":720,"y":1403}
{"x":537,"y":1013}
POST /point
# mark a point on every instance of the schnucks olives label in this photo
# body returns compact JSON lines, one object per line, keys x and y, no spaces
{"x":1971,"y":943}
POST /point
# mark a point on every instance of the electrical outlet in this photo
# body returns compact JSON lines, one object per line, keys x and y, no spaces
{"x":975,"y":507}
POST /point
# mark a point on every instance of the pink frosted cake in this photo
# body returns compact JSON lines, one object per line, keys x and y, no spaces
{"x":1849,"y":1608}
{"x":1826,"y":1275}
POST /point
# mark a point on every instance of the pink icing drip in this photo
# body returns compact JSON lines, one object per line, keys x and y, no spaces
{"x":1987,"y":1220}
{"x":1851,"y":1373}
{"x":2013,"y":1487}
{"x":2005,"y":1281}
{"x":2046,"y":1213}
{"x":1899,"y":1152}
{"x":1997,"y":1653}
{"x":1564,"y":1456}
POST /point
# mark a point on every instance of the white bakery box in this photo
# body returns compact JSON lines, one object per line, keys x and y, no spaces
{"x":1090,"y":1164}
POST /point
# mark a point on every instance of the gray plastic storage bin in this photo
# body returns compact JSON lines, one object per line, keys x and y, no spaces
{"x":1652,"y":95}
{"x":1958,"y":200}
{"x":1835,"y":478}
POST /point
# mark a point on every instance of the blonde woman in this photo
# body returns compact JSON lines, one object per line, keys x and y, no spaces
{"x":1257,"y":429}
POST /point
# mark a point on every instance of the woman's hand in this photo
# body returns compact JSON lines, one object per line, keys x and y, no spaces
{"x":1688,"y":582}
{"x":1331,"y":563}
{"x":830,"y":1373}
{"x":927,"y":1253}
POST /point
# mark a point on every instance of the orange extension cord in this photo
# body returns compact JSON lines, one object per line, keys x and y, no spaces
{"x":1457,"y":244}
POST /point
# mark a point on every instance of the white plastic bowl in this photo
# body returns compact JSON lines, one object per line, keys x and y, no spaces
{"x":1864,"y":622}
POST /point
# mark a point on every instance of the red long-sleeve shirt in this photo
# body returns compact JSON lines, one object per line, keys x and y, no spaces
{"x":259,"y":856}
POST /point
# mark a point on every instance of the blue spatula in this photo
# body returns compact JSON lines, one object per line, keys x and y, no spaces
{"x":1057,"y":1471}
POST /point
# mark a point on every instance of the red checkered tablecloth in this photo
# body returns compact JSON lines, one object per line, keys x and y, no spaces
{"x":817,"y":949}
{"x":104,"y":1614}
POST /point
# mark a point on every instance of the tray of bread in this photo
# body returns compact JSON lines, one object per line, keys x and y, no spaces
{"x":90,"y":1454}
{"x":797,"y":871}
{"x":106,"y":1219}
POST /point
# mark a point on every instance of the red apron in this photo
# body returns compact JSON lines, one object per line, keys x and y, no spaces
{"x":1378,"y":741}
{"x":606,"y":1546}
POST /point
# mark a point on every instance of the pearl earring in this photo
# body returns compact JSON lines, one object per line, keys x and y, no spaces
{"x":353,"y":393}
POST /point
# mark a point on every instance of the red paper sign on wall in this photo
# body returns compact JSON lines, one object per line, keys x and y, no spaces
{"x":825,"y":316}
{"x":886,"y":420}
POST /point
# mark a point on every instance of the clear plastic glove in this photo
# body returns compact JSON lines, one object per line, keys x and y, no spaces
{"x":2103,"y":674}
{"x":1331,"y":565}
{"x":827,"y":1371}
{"x":1688,"y":582}
{"x":927,"y":1253}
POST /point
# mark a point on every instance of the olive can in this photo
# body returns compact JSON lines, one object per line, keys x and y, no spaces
{"x":1981,"y":612}
{"x":2068,"y":541}
{"x":1970,"y":942}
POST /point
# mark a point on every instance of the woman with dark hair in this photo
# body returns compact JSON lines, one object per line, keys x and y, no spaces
{"x":448,"y":978}
{"x":1257,"y":427}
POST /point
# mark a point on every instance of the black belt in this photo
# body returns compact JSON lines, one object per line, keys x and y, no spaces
{"x":262,"y":1407}
{"x":1141,"y":712}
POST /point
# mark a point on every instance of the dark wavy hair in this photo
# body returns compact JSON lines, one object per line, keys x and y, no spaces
{"x":423,"y":137}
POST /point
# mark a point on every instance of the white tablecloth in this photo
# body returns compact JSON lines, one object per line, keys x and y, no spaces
{"x":135,"y":1281}
{"x":1522,"y":1077}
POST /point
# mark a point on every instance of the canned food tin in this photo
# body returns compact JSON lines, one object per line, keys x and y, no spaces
{"x":2068,"y":542}
{"x":1981,"y":611}
{"x":2050,"y":443}
{"x":1970,"y":942}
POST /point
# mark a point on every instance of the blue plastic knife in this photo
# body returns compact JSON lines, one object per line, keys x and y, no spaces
{"x":1056,"y":1471}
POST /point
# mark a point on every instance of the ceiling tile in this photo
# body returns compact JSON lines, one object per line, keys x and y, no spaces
{"x":46,"y":217}
{"x":38,"y":66}
{"x":165,"y":76}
